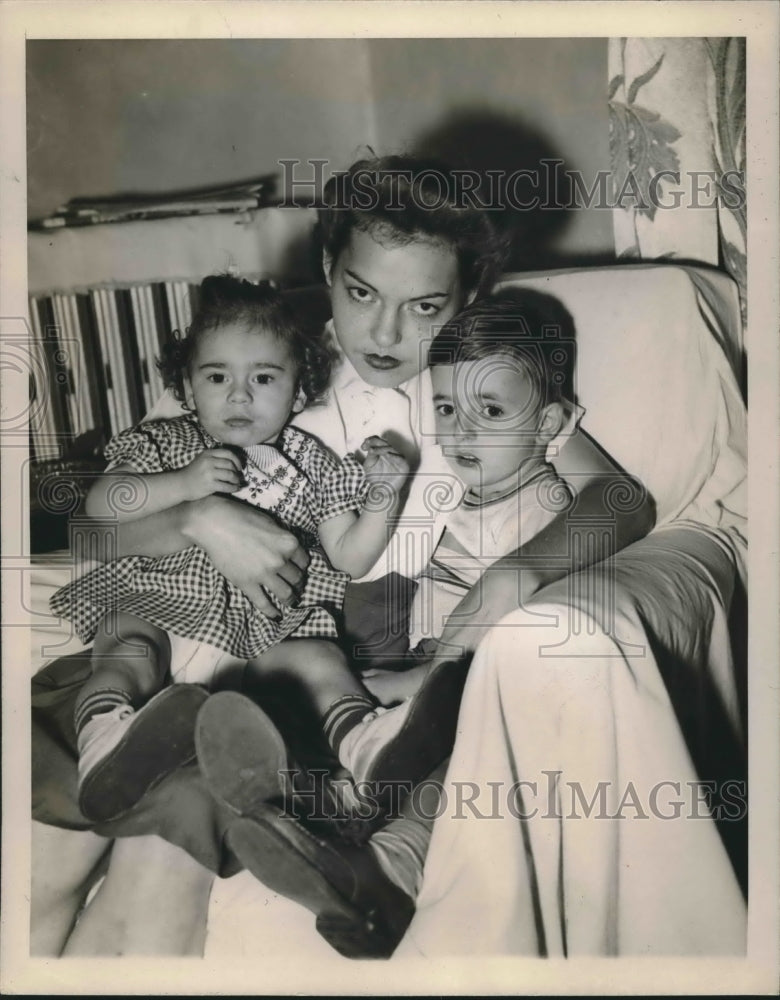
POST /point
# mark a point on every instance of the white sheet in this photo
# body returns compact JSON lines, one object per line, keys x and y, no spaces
{"x":554,"y":696}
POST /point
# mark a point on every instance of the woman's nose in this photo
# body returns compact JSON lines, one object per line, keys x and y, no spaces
{"x":386,"y":331}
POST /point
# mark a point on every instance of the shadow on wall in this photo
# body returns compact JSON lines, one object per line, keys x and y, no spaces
{"x":529,"y":193}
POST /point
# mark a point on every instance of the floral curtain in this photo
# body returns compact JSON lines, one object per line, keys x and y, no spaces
{"x":677,"y":144}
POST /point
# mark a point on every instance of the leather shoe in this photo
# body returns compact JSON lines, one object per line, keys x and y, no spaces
{"x":427,"y":732}
{"x":245,"y":762}
{"x":360,"y":912}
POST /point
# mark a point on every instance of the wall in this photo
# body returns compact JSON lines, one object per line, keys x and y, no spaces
{"x":503,"y":103}
{"x":107,"y":117}
{"x":121,"y":116}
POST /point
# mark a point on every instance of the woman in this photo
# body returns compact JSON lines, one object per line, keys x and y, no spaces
{"x":401,"y":256}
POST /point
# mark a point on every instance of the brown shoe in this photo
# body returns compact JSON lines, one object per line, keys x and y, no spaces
{"x":360,"y":912}
{"x":245,"y":763}
{"x":425,"y":737}
{"x":241,"y":753}
{"x":123,"y":754}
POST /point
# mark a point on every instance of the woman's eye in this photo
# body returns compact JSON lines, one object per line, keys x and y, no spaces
{"x":445,"y":409}
{"x":359,"y":294}
{"x":493,"y":411}
{"x":426,"y":308}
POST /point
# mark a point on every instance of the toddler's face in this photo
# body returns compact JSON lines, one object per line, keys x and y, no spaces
{"x":242,"y":383}
{"x":387,"y":302}
{"x":488,"y":420}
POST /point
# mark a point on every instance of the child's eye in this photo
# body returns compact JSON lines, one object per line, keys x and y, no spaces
{"x":216,"y":377}
{"x":491,"y":410}
{"x":263,"y":379}
{"x":426,"y":308}
{"x":445,"y":409}
{"x":359,"y":294}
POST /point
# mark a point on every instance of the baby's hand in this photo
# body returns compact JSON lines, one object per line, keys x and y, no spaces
{"x":216,"y":470}
{"x":383,"y":464}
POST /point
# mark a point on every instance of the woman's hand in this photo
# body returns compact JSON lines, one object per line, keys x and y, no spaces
{"x":216,"y":470}
{"x":250,"y":549}
{"x":383,"y":464}
{"x":499,"y":591}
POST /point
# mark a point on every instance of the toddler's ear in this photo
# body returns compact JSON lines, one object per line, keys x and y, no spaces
{"x":551,"y":420}
{"x":327,"y":266}
{"x":299,"y":402}
{"x":189,"y":399}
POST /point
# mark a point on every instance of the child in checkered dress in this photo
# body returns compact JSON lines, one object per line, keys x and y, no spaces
{"x":244,"y":368}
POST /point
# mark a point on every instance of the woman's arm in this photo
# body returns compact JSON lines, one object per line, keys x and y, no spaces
{"x":610,"y":511}
{"x":246,"y":545}
{"x":580,"y":459}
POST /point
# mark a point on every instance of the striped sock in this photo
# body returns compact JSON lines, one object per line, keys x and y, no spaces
{"x":97,"y":703}
{"x":400,"y":848}
{"x":343,"y":715}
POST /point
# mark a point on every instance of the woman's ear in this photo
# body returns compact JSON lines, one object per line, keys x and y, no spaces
{"x":299,"y":403}
{"x":327,"y":266}
{"x":551,"y":420}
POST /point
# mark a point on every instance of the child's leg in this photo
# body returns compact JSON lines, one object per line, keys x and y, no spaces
{"x":379,"y":747}
{"x":241,"y":753}
{"x":64,"y":866}
{"x":321,"y":671}
{"x":124,"y":752}
{"x":153,"y":901}
{"x":319,"y":667}
{"x":130,"y":661}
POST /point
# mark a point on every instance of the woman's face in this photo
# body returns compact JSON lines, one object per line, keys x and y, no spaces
{"x":388,"y":300}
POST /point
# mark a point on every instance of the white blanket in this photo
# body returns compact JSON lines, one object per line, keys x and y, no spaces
{"x":562,"y":698}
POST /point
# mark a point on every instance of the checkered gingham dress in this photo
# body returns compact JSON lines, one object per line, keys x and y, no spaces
{"x":297,"y":480}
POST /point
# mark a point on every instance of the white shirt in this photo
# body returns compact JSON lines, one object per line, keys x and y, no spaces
{"x":477,"y":534}
{"x":355,"y":410}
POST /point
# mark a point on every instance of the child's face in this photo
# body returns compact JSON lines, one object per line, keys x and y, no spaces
{"x":387,"y":301}
{"x":242,"y":383}
{"x":488,"y":420}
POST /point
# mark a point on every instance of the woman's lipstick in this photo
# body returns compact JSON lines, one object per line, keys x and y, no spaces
{"x":381,"y":362}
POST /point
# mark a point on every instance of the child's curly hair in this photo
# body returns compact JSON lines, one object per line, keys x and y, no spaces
{"x":223,"y":300}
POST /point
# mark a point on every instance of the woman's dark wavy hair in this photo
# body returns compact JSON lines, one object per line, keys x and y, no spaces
{"x":400,"y":198}
{"x":532,"y":327}
{"x":225,"y":300}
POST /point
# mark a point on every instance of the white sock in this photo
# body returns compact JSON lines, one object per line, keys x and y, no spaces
{"x":401,"y":849}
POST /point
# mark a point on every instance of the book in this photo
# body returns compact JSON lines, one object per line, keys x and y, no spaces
{"x":85,"y":211}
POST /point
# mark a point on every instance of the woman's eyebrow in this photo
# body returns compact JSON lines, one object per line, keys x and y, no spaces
{"x":356,"y":277}
{"x":417,"y":298}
